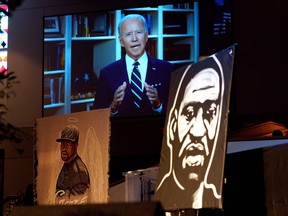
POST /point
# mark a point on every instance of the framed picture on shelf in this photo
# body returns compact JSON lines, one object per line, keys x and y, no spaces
{"x":99,"y":27}
{"x":51,"y":25}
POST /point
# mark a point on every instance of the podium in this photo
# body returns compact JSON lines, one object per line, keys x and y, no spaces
{"x":140,"y":184}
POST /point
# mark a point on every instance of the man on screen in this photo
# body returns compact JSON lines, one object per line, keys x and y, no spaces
{"x":116,"y":83}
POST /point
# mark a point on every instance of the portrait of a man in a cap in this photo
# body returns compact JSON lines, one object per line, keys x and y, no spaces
{"x":73,"y":178}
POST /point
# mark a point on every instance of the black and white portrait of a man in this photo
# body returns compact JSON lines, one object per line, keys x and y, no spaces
{"x":194,"y":144}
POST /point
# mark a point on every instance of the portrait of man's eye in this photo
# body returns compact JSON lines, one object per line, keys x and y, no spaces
{"x":211,"y":112}
{"x":128,"y":34}
{"x":188,"y":112}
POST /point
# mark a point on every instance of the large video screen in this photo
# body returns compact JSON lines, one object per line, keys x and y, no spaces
{"x":79,"y":47}
{"x":87,"y":63}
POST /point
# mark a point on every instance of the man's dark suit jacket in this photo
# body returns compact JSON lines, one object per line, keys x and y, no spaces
{"x":114,"y":74}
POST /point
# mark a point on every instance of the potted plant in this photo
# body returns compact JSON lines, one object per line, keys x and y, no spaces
{"x":7,"y":130}
{"x":7,"y":81}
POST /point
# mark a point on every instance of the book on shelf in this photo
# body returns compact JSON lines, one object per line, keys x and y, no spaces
{"x":80,"y":26}
{"x":50,"y":62}
{"x":60,"y":62}
{"x":97,"y":24}
{"x":111,"y":24}
{"x":46,"y":91}
{"x":75,"y":26}
{"x":148,"y":20}
{"x":53,"y":90}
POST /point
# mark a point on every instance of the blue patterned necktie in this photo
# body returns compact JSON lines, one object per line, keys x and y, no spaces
{"x":136,"y":85}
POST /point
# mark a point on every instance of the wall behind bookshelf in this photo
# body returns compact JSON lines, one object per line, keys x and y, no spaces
{"x":82,"y":44}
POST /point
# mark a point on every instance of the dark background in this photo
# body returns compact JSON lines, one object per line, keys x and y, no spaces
{"x":260,"y":70}
{"x":259,"y":88}
{"x":259,"y":85}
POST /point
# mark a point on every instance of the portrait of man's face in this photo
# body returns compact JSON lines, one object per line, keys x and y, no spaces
{"x":196,"y":123}
{"x":193,"y":151}
{"x":72,"y":158}
{"x":134,"y":38}
{"x":68,"y":150}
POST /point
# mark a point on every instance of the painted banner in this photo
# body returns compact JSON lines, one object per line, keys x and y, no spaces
{"x":72,"y":158}
{"x":194,"y":143}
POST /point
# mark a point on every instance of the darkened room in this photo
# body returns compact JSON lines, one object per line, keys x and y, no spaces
{"x":255,"y":176}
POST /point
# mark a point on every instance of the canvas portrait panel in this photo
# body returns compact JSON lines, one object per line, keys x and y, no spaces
{"x":72,"y":158}
{"x":194,"y":143}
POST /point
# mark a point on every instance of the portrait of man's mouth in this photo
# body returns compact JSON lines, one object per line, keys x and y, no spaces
{"x":193,"y":161}
{"x":194,"y":155}
{"x":135,"y":46}
{"x":63,"y":153}
{"x":195,"y":147}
